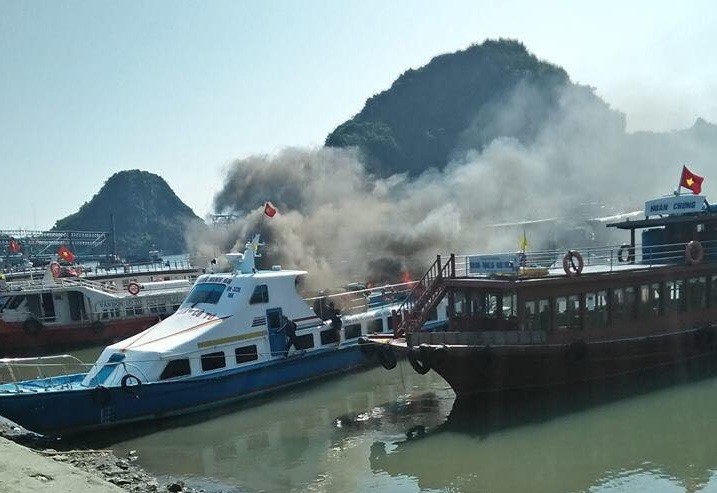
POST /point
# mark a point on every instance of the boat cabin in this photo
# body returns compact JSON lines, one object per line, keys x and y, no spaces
{"x":668,"y":282}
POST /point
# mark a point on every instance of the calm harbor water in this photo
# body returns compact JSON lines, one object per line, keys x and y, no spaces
{"x":398,"y":431}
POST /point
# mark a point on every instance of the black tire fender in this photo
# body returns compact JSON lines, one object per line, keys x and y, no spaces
{"x":97,"y":327}
{"x":439,"y":356}
{"x":368,"y":350}
{"x":386,"y":357}
{"x":419,"y":359}
{"x":130,"y":383}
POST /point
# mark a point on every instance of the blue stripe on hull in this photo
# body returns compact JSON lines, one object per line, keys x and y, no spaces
{"x":57,"y":412}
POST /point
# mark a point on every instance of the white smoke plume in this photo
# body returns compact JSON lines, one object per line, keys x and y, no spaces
{"x":342,"y":224}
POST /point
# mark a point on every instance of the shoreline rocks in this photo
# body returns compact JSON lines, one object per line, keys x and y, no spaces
{"x":101,"y":464}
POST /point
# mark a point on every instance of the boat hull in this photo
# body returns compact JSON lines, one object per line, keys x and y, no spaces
{"x":63,"y":412}
{"x":476,"y":369}
{"x":16,"y":341}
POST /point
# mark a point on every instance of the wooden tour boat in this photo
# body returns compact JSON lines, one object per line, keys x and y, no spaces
{"x":589,"y":315}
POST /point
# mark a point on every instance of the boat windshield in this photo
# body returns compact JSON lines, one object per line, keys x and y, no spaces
{"x":206,"y":292}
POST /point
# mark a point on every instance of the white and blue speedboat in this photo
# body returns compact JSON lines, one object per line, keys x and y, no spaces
{"x":236,"y":335}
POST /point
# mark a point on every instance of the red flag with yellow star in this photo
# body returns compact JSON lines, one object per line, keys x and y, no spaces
{"x":691,"y":181}
{"x":65,"y":254}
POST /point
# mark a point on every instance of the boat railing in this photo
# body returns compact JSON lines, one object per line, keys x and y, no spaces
{"x":163,"y":266}
{"x":607,"y":258}
{"x":358,"y":301}
{"x":51,"y":370}
{"x":29,"y":284}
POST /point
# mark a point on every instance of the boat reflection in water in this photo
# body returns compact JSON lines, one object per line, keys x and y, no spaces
{"x":571,"y":439}
{"x":312,"y":438}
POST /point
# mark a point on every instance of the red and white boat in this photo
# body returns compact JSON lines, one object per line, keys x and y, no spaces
{"x":54,"y":312}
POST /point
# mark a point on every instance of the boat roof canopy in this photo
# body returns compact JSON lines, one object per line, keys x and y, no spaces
{"x":698,"y":218}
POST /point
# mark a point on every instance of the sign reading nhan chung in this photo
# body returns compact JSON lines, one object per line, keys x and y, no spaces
{"x":675,"y":205}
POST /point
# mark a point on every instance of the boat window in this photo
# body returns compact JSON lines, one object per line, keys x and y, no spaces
{"x":649,"y":295}
{"x":246,"y":354}
{"x":432,"y":314}
{"x":206,"y":292}
{"x":544,"y":314}
{"x":491,"y":306}
{"x":596,"y":310}
{"x":15,"y":302}
{"x":568,"y":312}
{"x":331,"y":336}
{"x":33,"y":305}
{"x":213,"y":361}
{"x":509,"y":305}
{"x":696,"y":293}
{"x":176,"y":368}
{"x":4,"y":301}
{"x":530,"y":315}
{"x":353,"y":331}
{"x":108,"y":368}
{"x":304,"y":342}
{"x":623,"y":304}
{"x":374,"y":326}
{"x":134,"y":310}
{"x":674,"y":296}
{"x":48,"y":307}
{"x":76,"y":302}
{"x":260,"y":294}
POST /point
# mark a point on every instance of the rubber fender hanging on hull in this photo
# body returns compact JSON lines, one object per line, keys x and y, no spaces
{"x":386,"y":357}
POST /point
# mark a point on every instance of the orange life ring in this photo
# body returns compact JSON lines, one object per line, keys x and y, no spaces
{"x":133,"y":288}
{"x":694,"y":253}
{"x":55,"y":269}
{"x":573,"y":263}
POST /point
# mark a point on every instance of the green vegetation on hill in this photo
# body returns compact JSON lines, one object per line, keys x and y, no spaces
{"x":147,"y":214}
{"x":428,"y":113}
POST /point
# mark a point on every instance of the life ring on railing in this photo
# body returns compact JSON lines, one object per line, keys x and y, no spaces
{"x":573,"y":263}
{"x":419,"y":359}
{"x":694,"y":253}
{"x":130,"y":382}
{"x":625,"y":253}
{"x":32,"y":326}
{"x":55,"y":269}
{"x":133,"y":288}
{"x":386,"y":357}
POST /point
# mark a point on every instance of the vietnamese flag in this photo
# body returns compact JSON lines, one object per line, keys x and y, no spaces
{"x":269,"y":209}
{"x":691,"y":181}
{"x":65,"y":254}
{"x":14,"y":246}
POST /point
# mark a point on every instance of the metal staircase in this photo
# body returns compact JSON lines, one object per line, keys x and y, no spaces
{"x":424,"y":297}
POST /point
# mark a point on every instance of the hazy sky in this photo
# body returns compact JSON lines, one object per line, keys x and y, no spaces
{"x":179,"y":88}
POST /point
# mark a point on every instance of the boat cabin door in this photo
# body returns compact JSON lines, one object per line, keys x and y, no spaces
{"x":277,"y":338}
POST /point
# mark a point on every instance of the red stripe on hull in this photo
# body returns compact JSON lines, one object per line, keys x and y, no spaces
{"x":15,"y":341}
